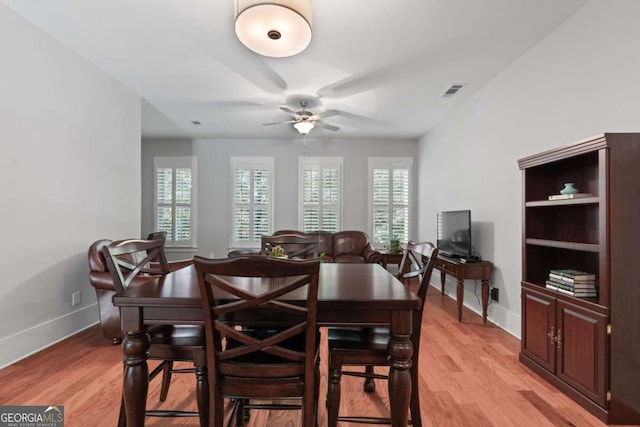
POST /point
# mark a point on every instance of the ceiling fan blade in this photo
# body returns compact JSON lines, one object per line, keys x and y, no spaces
{"x":241,"y":60}
{"x":363,"y":81}
{"x":230,"y":104}
{"x":325,"y":114}
{"x":353,"y":117}
{"x":288,"y":110}
{"x":326,"y":126}
{"x":279,"y":123}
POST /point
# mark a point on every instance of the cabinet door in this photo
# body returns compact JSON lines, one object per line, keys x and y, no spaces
{"x":581,"y":348}
{"x":538,"y":328}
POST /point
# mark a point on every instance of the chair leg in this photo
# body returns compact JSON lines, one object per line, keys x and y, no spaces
{"x":122,"y":417}
{"x":416,"y":418}
{"x":240,"y":412}
{"x":369,"y":385}
{"x":166,"y":379}
{"x":309,"y":399}
{"x":333,"y":392}
{"x":202,"y":395}
{"x":218,"y":410}
{"x":316,"y":391}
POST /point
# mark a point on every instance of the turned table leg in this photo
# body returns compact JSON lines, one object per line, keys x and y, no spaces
{"x":400,"y":352}
{"x":459,"y":298}
{"x":485,"y":299}
{"x":135,"y":347}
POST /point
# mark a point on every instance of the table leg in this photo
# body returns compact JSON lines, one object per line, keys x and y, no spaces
{"x":400,"y":352}
{"x":443,"y":279}
{"x":460,"y":298}
{"x":485,"y":299}
{"x":135,"y":347}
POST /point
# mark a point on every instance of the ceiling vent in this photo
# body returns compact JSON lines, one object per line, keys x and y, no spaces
{"x":452,"y":90}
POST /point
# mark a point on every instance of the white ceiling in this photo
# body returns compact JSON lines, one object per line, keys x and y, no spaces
{"x":384,"y":64}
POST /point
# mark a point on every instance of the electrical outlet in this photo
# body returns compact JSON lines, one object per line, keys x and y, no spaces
{"x":494,"y":294}
{"x":75,"y":299}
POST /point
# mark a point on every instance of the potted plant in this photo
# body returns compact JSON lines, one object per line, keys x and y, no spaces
{"x":278,"y":252}
{"x":394,"y":246}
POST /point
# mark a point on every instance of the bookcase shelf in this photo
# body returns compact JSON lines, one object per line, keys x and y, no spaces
{"x":544,"y":203}
{"x":568,"y":340}
{"x":586,"y":247}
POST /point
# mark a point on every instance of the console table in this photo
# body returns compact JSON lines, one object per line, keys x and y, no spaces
{"x":479,"y":270}
{"x":391,"y":257}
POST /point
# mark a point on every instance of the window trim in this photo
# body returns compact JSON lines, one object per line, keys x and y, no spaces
{"x":241,"y":162}
{"x":389,"y":163}
{"x":318,"y":162}
{"x":175,"y":162}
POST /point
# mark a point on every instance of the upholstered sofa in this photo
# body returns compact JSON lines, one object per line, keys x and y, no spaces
{"x":101,"y":279}
{"x":342,"y":246}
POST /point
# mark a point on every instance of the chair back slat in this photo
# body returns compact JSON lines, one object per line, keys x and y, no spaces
{"x":135,"y":260}
{"x":413,"y":260}
{"x":295,"y":246}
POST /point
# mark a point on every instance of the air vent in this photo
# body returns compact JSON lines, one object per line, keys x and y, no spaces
{"x":452,"y":90}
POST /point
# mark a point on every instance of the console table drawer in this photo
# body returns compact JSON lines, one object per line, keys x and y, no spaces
{"x":444,"y":266}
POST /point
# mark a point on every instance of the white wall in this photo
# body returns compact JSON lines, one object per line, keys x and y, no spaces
{"x":579,"y":81}
{"x":70,"y":174}
{"x":213,"y":179}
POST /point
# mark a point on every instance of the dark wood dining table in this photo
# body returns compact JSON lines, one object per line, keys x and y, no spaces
{"x":348,"y":295}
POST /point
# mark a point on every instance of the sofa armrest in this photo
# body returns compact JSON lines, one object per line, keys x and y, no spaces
{"x":371,"y":255}
{"x":101,"y":280}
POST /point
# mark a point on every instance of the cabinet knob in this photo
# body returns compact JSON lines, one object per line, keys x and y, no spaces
{"x":551,"y":335}
{"x":559,"y":339}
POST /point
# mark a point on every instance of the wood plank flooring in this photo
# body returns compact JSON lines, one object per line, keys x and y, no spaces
{"x":470,"y":376}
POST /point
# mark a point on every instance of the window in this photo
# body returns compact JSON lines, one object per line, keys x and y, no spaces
{"x":251,"y":200}
{"x":174,"y":200}
{"x":390,"y":198}
{"x":320,"y":187}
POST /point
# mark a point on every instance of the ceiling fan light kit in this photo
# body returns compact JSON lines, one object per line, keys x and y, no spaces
{"x":303,"y":121}
{"x":277,"y":29}
{"x":303,"y":127}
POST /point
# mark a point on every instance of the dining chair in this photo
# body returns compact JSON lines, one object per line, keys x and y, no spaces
{"x":368,"y":347}
{"x":412,"y":263}
{"x":295,"y":246}
{"x":246,"y":361}
{"x":154,"y":235}
{"x":135,"y":262}
{"x":242,"y":252}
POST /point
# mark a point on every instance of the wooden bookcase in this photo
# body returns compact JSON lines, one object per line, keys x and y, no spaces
{"x":587,"y":347}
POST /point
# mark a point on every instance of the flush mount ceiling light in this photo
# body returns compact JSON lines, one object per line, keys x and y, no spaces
{"x":277,"y":28}
{"x":304,"y":126}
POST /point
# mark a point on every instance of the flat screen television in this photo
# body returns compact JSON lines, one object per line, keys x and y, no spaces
{"x":454,"y":233}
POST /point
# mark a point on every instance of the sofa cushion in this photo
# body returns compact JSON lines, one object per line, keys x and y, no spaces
{"x":343,"y":246}
{"x":325,"y":243}
{"x":349,"y":243}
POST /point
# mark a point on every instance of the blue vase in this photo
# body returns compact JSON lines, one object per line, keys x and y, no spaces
{"x":569,"y":189}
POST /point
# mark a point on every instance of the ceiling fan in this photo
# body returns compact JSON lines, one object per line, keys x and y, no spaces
{"x":304,"y":120}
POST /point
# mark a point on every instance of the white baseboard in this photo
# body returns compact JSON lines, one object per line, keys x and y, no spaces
{"x":22,"y":344}
{"x":498,"y":315}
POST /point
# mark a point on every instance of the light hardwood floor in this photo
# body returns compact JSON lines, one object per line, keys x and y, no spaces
{"x":470,"y":376}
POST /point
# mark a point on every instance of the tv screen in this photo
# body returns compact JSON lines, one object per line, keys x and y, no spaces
{"x":454,"y":233}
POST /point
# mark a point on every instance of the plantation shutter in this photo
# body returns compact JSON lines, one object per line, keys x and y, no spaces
{"x":390,"y":195}
{"x":174,"y":199}
{"x":251,"y":202}
{"x":321,"y":194}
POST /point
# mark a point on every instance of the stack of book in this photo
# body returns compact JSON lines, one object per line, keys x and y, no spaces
{"x":573,"y":282}
{"x":570,"y":196}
